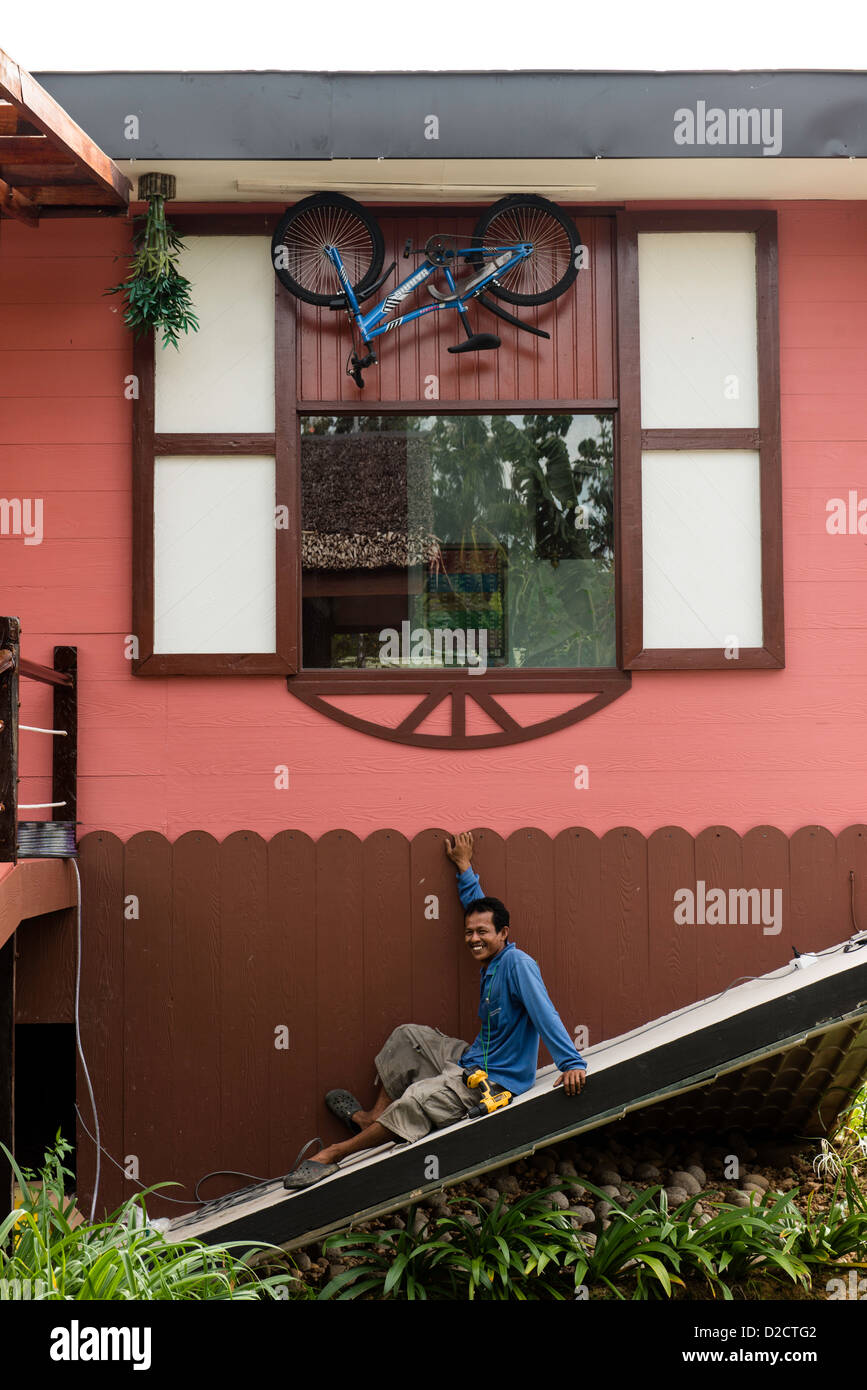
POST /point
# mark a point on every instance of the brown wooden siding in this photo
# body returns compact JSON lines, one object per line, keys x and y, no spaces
{"x":329,"y":938}
{"x":576,"y":364}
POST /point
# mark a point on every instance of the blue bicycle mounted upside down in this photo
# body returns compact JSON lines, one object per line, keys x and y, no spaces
{"x":528,"y":256}
{"x":371,"y":325}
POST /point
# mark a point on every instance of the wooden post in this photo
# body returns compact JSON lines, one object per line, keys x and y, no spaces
{"x":65,"y":753}
{"x":10,"y":631}
{"x":7,"y":1068}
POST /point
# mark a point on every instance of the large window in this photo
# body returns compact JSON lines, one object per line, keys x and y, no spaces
{"x":457,"y":541}
{"x":700,"y":440}
{"x":541,"y":521}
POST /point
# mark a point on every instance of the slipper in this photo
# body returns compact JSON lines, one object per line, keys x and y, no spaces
{"x":344,"y":1105}
{"x":308,"y":1173}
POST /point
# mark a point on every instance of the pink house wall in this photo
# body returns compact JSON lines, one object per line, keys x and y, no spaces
{"x":742,"y":748}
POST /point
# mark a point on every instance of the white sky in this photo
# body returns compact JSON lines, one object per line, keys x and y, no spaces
{"x":340,"y":35}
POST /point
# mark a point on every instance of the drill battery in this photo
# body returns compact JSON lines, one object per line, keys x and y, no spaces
{"x":491,"y":1096}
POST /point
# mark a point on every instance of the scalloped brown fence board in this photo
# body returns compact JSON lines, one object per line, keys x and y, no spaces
{"x":337,"y":941}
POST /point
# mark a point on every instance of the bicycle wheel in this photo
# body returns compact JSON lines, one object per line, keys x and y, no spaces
{"x":302,"y":234}
{"x":551,"y":268}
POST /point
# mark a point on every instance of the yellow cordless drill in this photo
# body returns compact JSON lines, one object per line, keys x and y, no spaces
{"x":491,"y":1096}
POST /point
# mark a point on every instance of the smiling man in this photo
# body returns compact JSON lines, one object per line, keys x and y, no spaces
{"x":423,"y":1072}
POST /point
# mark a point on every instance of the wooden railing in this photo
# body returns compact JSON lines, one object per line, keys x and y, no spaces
{"x":64,"y":734}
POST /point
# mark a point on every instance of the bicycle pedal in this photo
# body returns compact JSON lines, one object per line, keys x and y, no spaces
{"x":477,"y":342}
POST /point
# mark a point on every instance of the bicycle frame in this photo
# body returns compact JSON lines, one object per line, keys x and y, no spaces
{"x":370,"y":325}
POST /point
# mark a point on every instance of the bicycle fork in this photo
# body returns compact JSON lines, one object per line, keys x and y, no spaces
{"x":356,"y":363}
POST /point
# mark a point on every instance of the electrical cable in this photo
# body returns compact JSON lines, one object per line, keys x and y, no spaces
{"x":217,"y":1173}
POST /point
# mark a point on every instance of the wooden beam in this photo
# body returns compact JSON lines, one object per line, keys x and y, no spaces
{"x":43,"y":673}
{"x":36,"y":150}
{"x":31,"y":887}
{"x":11,"y":123}
{"x":72,"y":194}
{"x":36,"y":106}
{"x":14,"y":204}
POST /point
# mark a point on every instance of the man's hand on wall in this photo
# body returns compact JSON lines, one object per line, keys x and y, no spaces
{"x":572,"y":1081}
{"x":460,"y":851}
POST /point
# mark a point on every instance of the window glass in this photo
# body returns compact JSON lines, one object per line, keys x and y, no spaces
{"x":472,"y":541}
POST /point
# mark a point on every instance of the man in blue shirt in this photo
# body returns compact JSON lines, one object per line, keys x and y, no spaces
{"x":422,"y":1071}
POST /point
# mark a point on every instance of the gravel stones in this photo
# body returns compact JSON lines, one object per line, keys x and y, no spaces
{"x":559,"y":1201}
{"x":686,"y":1181}
{"x":756,"y":1180}
{"x":506,"y":1183}
{"x":543,"y":1163}
{"x":608,"y":1177}
{"x":646,"y":1172}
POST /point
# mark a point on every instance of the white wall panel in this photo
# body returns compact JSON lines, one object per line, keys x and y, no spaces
{"x":222,"y":377}
{"x":697,"y":302}
{"x":701,"y":520}
{"x":214,"y":554}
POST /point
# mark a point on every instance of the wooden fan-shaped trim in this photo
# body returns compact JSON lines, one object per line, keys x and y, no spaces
{"x":435,"y":687}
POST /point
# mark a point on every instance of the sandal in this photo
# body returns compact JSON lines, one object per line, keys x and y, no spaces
{"x":308,"y":1173}
{"x":344,"y":1105}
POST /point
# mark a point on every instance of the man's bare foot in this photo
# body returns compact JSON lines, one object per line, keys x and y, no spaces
{"x":369,"y":1138}
{"x":325,"y":1155}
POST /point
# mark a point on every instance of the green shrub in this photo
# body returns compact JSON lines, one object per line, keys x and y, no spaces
{"x":43,"y":1256}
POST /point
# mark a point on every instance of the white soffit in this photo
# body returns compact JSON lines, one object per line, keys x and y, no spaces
{"x":478,"y":180}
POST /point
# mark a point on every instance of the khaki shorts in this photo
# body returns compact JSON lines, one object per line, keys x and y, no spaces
{"x":419,"y":1068}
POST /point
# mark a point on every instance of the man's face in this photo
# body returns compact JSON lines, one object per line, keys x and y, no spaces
{"x":482,"y":937}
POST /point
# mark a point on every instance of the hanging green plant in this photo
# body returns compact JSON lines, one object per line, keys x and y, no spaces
{"x":157,"y":295}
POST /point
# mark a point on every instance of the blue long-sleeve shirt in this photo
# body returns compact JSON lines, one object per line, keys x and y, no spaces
{"x":516,"y":1011}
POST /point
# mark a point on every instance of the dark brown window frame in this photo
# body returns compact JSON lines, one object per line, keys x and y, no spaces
{"x":148,"y":446}
{"x":765,"y":438}
{"x":314,"y":686}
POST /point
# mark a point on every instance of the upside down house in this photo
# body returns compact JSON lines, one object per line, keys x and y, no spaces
{"x":289,"y":599}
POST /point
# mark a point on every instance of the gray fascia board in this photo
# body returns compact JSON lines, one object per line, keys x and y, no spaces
{"x":489,"y":115}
